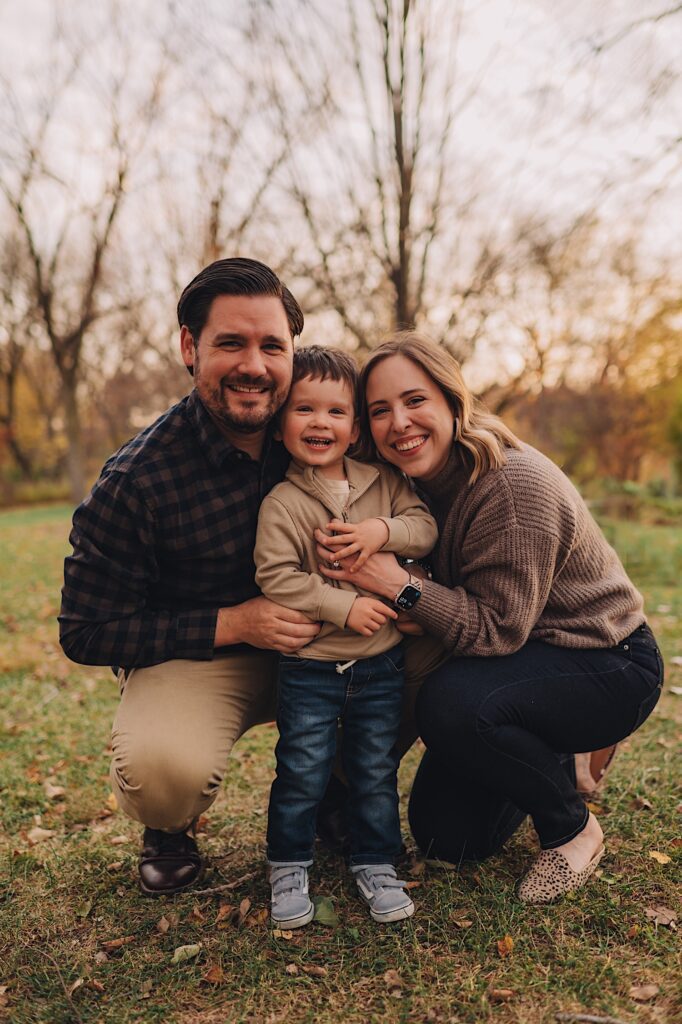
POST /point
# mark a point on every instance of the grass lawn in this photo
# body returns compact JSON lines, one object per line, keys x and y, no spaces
{"x":77,"y":942}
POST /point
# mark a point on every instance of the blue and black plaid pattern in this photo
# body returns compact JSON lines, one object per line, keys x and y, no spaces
{"x":164,"y":539}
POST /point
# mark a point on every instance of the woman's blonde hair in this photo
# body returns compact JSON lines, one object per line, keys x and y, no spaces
{"x":483,"y":436}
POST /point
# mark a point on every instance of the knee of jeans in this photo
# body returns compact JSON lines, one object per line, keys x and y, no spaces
{"x":161,"y":784}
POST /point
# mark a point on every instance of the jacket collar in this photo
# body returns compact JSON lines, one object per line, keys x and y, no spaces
{"x":360,"y":476}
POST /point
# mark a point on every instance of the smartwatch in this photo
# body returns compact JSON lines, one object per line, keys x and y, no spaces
{"x":409,"y":594}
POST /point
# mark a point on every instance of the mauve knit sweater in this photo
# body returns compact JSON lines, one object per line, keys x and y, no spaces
{"x":520,"y":558}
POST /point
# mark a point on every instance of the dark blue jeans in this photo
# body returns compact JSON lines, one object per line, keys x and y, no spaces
{"x":313,"y":699}
{"x":495,"y":728}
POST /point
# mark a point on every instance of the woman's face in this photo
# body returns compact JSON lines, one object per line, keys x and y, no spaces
{"x":411,"y":421}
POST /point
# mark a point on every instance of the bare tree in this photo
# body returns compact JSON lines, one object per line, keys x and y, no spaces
{"x":66,"y":266}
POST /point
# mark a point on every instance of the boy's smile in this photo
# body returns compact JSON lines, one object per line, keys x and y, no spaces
{"x":318,"y":424}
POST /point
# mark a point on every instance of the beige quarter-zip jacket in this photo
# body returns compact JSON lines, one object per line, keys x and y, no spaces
{"x":286,"y":559}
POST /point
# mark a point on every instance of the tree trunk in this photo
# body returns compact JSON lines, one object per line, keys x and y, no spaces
{"x":75,"y":458}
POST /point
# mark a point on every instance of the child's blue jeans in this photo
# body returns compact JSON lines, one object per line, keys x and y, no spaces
{"x":313,"y":698}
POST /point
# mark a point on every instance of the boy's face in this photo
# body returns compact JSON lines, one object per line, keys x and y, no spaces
{"x":318,"y":423}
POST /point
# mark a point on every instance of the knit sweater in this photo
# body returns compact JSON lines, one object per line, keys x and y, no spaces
{"x":520,"y":558}
{"x":287,"y":560}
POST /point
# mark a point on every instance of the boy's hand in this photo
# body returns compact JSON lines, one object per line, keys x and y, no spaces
{"x":361,"y":539}
{"x":367,"y":615}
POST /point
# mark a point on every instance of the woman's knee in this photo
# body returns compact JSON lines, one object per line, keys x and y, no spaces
{"x":446,"y":713}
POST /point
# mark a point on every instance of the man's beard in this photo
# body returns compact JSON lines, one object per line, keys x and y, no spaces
{"x":246,"y":421}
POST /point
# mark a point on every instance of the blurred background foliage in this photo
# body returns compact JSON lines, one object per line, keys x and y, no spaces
{"x":506,"y":177}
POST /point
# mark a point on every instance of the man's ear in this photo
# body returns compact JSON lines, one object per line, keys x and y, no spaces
{"x":187,"y":350}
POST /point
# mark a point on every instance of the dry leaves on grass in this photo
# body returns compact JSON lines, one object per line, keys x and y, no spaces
{"x":51,"y":791}
{"x":394,"y":983}
{"x":663,"y":916}
{"x":660,"y":858}
{"x":500,"y":995}
{"x":505,"y":946}
{"x":111,"y":944}
{"x":39,"y":835}
{"x":214,"y":976}
{"x":643,"y":993}
{"x":461,"y":918}
{"x":182,"y":953}
{"x":278,"y":933}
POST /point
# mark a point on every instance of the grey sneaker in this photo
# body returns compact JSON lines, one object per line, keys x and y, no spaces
{"x":290,"y":906}
{"x":383,"y":892}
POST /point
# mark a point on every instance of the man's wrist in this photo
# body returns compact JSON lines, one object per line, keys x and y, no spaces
{"x":228,"y":628}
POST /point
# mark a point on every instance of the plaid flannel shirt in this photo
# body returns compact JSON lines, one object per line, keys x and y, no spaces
{"x":164,"y":539}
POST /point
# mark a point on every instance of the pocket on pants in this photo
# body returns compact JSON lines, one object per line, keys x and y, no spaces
{"x":647,"y":706}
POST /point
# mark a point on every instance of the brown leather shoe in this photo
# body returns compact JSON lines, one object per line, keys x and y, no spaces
{"x":170,"y":862}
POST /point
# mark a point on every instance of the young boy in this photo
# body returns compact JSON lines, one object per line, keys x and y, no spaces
{"x":353,"y":670}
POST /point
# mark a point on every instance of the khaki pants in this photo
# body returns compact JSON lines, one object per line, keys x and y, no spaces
{"x":178,"y":721}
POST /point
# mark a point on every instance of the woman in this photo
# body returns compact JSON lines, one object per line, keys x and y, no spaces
{"x":549,"y":643}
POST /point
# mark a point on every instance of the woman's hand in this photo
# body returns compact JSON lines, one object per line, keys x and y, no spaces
{"x":361,"y":539}
{"x":381,"y":574}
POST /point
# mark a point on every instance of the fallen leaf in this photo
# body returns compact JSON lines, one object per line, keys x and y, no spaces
{"x":162,"y":925}
{"x":631,"y":932}
{"x":412,"y":885}
{"x":225,"y":910}
{"x":643,"y":993}
{"x":119,"y":840}
{"x":277,"y":933}
{"x":505,"y":946}
{"x":291,"y":969}
{"x":202,"y":822}
{"x":594,"y":807}
{"x":677,"y":690}
{"x":111,"y":944}
{"x":97,"y":985}
{"x":244,"y":908}
{"x":146,"y":989}
{"x":196,"y":915}
{"x":662,"y":742}
{"x":51,"y":791}
{"x":183,"y":953}
{"x":314,"y":971}
{"x":324,"y":912}
{"x":417,"y":869}
{"x":115,"y":865}
{"x":257,"y":918}
{"x":500,"y":995}
{"x":660,"y":858}
{"x":101,"y":958}
{"x":461,"y":922}
{"x":111,"y":803}
{"x":39,"y":835}
{"x":394,"y":983}
{"x":84,"y":909}
{"x":662,"y":915}
{"x":76,"y":985}
{"x":641,"y":804}
{"x":676,"y":661}
{"x":214,"y":975}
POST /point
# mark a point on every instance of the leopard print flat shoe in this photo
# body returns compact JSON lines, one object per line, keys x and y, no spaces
{"x":551,"y":876}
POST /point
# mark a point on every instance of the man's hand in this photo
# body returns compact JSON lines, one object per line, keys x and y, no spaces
{"x":367,"y":615}
{"x":361,"y":539}
{"x":407,"y":626}
{"x":264,"y":624}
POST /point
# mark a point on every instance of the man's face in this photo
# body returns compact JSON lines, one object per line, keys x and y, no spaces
{"x":242,"y":361}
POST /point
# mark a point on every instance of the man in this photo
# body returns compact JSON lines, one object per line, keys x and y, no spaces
{"x":161,"y":579}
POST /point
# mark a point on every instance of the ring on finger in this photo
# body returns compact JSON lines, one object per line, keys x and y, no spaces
{"x":336,"y":565}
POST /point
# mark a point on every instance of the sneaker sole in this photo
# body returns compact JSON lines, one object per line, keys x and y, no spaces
{"x":293,"y":922}
{"x":389,"y":916}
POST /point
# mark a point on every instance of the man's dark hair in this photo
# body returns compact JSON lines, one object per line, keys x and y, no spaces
{"x":320,"y":363}
{"x":235,"y":276}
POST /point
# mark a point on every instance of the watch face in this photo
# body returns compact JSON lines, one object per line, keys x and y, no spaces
{"x":408,"y":597}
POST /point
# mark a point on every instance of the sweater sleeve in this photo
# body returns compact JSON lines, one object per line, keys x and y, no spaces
{"x":412,"y":530}
{"x":279,"y":555}
{"x":506,"y":578}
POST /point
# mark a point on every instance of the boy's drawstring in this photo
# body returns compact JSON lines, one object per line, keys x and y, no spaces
{"x":342,"y":666}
